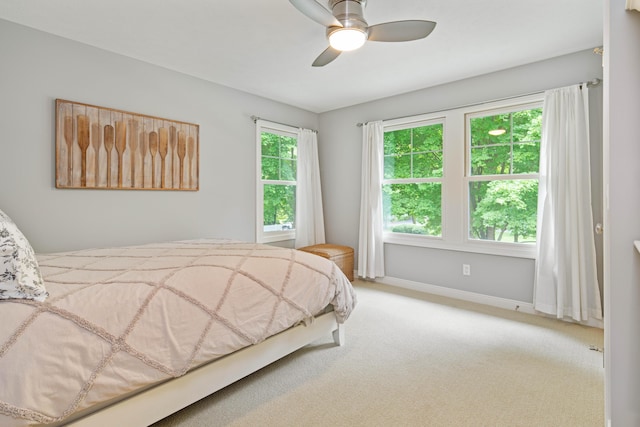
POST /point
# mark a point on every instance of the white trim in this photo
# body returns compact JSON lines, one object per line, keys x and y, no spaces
{"x":504,"y":303}
{"x":501,"y":107}
{"x":277,"y":236}
{"x":455,"y":180}
{"x":458,"y":294}
{"x":504,"y":104}
{"x":506,"y":249}
{"x":412,"y":123}
{"x":278,"y":129}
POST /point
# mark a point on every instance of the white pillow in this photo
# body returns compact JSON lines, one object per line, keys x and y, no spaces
{"x":19,"y":272}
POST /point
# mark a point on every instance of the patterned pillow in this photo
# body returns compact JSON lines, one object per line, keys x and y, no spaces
{"x":19,"y":272}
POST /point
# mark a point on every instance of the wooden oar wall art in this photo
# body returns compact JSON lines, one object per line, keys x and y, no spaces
{"x":104,"y":148}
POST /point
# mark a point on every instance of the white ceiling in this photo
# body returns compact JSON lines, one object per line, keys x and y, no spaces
{"x":266,"y":47}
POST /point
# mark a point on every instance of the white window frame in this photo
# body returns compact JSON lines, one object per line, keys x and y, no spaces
{"x":420,"y":121}
{"x":455,"y":199}
{"x":262,"y":236}
{"x":524,"y":249}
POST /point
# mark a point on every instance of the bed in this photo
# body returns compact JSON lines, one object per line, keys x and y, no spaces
{"x":129,"y":335}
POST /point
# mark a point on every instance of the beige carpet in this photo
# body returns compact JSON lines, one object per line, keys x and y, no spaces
{"x":412,"y":359}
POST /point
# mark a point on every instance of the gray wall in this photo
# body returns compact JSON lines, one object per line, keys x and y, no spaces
{"x":340,"y":143}
{"x":622,"y":222}
{"x":36,"y":68}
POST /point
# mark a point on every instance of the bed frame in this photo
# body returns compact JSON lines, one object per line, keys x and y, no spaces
{"x":153,"y":404}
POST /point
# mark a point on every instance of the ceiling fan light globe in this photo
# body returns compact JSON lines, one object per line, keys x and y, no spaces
{"x":346,"y":39}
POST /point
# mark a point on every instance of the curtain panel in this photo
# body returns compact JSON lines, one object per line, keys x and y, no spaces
{"x":370,"y":244}
{"x":309,"y":212}
{"x":566,"y":273}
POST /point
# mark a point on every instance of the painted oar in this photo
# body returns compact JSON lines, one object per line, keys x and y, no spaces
{"x":96,"y":141}
{"x":163,"y":135}
{"x":144,"y":144}
{"x":153,"y":149}
{"x":68,"y":138}
{"x":182,"y":150}
{"x":173,"y":140}
{"x":83,"y":143}
{"x":133,"y":147}
{"x":109,"y":137}
{"x":191,"y":148}
{"x":121,"y":145}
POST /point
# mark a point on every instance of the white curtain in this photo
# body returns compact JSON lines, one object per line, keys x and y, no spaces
{"x":633,"y":5}
{"x":566,"y":276}
{"x":309,"y":214}
{"x":370,"y":246}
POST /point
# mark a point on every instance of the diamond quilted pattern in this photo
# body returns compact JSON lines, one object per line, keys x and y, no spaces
{"x":118,"y":319}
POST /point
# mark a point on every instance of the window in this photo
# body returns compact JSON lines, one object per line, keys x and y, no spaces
{"x":502,"y":174}
{"x":465,"y":179}
{"x":412,"y":181}
{"x":276,"y":189}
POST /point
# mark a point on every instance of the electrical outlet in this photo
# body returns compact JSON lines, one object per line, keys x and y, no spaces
{"x":466,"y":270}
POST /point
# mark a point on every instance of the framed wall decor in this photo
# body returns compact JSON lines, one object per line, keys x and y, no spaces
{"x":105,"y":148}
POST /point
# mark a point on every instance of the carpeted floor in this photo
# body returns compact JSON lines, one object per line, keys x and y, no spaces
{"x":413,"y":359}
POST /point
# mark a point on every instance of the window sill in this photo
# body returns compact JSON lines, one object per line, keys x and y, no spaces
{"x":501,"y":249}
{"x":277,"y":237}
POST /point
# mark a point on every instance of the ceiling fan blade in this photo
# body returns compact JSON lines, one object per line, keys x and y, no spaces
{"x":325,"y":57}
{"x":400,"y":31}
{"x":317,"y":12}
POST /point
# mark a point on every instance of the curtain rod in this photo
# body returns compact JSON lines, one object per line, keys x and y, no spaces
{"x":593,"y":82}
{"x":256,"y":118}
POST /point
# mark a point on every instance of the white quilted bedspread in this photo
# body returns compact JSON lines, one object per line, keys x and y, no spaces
{"x":119,"y":319}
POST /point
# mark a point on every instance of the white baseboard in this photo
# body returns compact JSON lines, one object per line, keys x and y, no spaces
{"x":458,"y":294}
{"x":508,"y":304}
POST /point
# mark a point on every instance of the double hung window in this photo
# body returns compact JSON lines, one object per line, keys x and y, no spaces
{"x":277,"y":178}
{"x":412,"y":181}
{"x":465,"y":179}
{"x":502,"y":174}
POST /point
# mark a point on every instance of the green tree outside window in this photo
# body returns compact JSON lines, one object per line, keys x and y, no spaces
{"x":504,"y":145}
{"x":279,"y":174}
{"x":412,"y":186}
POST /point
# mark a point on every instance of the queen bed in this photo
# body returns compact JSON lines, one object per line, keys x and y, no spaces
{"x":129,"y":335}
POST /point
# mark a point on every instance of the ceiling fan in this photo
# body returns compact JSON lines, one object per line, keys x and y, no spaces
{"x":347,"y":29}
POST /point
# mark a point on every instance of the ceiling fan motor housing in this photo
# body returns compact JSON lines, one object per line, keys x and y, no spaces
{"x":350,"y":13}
